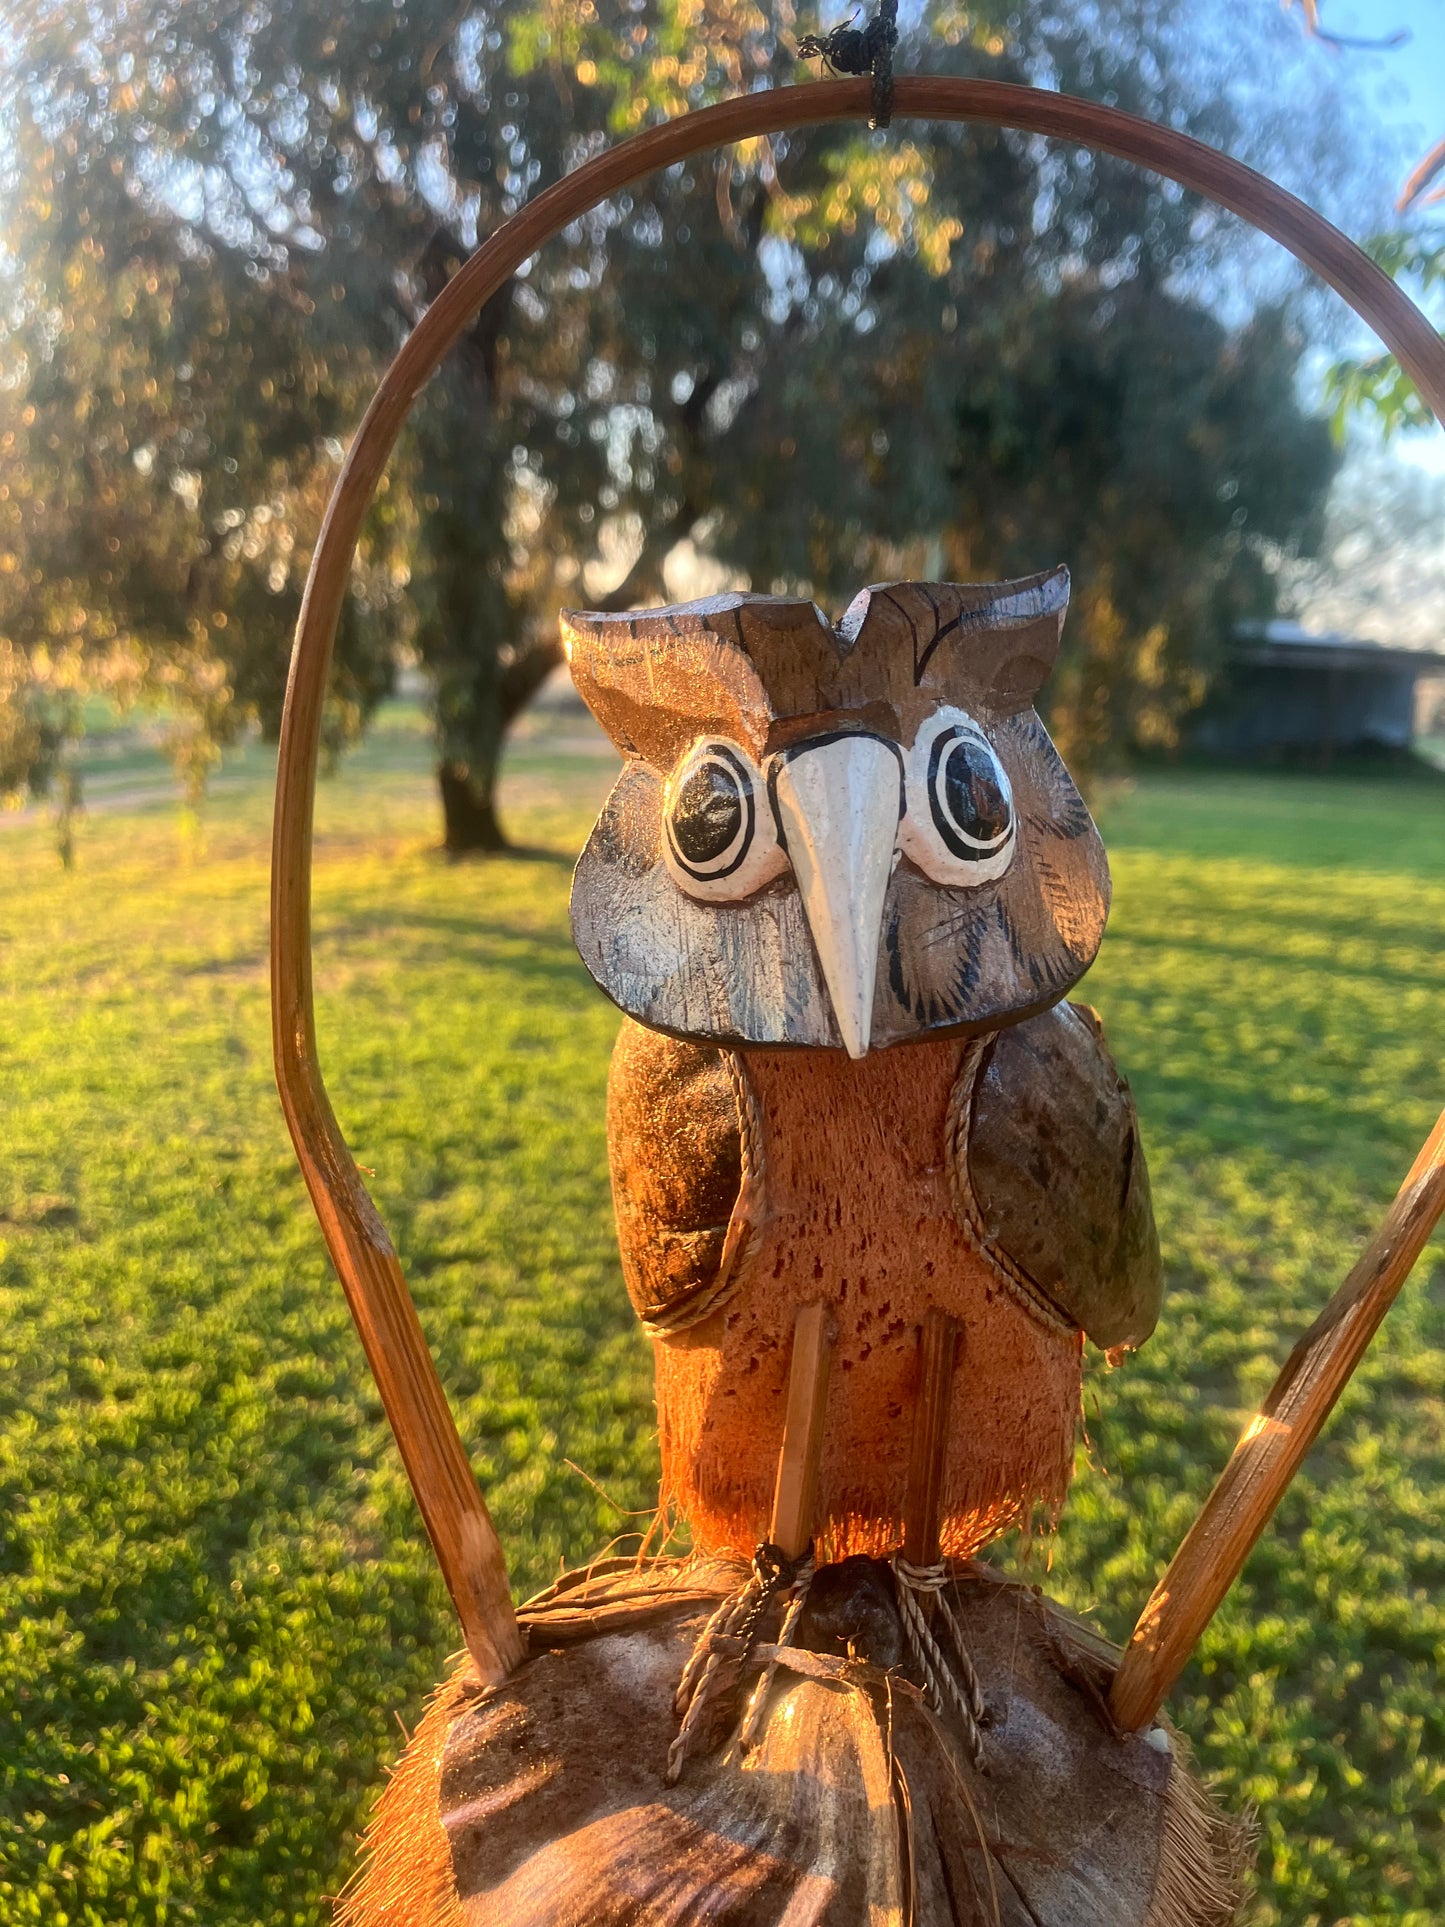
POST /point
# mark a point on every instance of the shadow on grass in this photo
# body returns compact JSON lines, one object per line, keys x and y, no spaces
{"x":511,"y":852}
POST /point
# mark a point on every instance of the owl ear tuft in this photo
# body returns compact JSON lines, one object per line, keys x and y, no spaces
{"x":1025,"y":629}
{"x":658,"y":679}
{"x":989,"y":644}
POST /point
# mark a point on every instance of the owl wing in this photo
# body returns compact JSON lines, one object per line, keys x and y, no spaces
{"x":1056,"y":1173}
{"x":675,"y":1145}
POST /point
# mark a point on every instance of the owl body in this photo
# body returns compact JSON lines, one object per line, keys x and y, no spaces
{"x":882,"y":1188}
{"x":843,"y":885}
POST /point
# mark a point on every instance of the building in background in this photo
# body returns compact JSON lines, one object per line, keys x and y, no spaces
{"x":1288,"y":696}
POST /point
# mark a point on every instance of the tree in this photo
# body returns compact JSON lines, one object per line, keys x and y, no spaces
{"x":152,"y":519}
{"x":224,"y":219}
{"x":1166,"y":456}
{"x":1376,"y":385}
{"x":1118,"y":422}
{"x":994,"y":398}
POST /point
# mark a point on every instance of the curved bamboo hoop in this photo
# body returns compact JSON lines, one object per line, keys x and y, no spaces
{"x":461,"y":1529}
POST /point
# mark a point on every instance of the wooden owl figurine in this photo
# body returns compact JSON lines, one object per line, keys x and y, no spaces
{"x":845,"y":881}
{"x":875,"y":1180}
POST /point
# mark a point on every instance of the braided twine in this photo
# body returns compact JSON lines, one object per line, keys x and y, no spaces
{"x":950,"y":1679}
{"x":802,"y":1584}
{"x":730,"y":1635}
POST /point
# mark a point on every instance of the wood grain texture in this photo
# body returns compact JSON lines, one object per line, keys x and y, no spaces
{"x":951,"y":960}
{"x":854,"y":1191}
{"x":872,"y":1161}
{"x":763,"y":673}
{"x":1058,"y":1175}
{"x":928,"y":1460}
{"x":752,"y":666}
{"x":1274,"y":1446}
{"x":837,"y":807}
{"x":805,"y":1418}
{"x":467,"y":1546}
{"x":545,"y":1799}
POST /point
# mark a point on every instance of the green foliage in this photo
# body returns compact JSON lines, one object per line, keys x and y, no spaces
{"x":218,"y":223}
{"x":215,"y":1596}
{"x":1186,"y":463}
{"x":169,"y":440}
{"x":1376,"y":385}
{"x":1024,"y":366}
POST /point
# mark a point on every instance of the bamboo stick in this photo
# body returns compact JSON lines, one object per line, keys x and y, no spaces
{"x":1274,"y":1446}
{"x":461,"y":1530}
{"x":932,"y":1410}
{"x":795,"y":1496}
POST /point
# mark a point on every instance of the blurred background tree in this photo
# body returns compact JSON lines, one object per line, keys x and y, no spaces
{"x":1374,"y":385}
{"x":818,"y":360}
{"x":1411,"y":249}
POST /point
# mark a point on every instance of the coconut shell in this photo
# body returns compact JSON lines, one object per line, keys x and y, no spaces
{"x":543,"y":1802}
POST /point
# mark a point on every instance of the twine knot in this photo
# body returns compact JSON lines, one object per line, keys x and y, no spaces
{"x":730,"y":1635}
{"x":951,"y":1683}
{"x":924,"y":1579}
{"x":847,"y":49}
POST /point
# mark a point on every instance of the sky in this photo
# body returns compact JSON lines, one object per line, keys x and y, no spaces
{"x":1407,"y":87}
{"x":1409,"y":84}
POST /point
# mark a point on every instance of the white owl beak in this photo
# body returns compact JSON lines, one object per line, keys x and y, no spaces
{"x":838,"y":807}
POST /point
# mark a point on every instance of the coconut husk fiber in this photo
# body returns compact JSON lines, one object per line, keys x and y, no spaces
{"x":544,"y":1802}
{"x":858,"y":1202}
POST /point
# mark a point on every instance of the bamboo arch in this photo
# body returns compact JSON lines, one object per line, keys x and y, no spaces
{"x":466,"y":1542}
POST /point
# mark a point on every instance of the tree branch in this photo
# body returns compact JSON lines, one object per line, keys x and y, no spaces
{"x":1414,"y":189}
{"x":1338,"y":42}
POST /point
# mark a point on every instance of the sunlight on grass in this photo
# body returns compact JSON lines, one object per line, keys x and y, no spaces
{"x":215,"y":1598}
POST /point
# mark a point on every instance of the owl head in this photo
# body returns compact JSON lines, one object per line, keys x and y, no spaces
{"x":851,"y":833}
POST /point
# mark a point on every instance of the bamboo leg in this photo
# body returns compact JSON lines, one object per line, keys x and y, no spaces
{"x":795,"y":1496}
{"x":923,"y":1504}
{"x":1274,"y":1446}
{"x":458,"y":1523}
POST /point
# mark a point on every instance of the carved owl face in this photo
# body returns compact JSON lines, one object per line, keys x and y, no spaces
{"x":835,"y":834}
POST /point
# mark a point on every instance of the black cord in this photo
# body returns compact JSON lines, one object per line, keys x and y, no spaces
{"x":773,"y":1572}
{"x":884,"y":28}
{"x":862,"y":50}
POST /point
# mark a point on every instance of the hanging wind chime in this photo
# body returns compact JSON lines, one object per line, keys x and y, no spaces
{"x":875,"y":1180}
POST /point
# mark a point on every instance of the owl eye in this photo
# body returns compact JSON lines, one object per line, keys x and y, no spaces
{"x":968,"y":795}
{"x":719,"y":843}
{"x":959,"y":827}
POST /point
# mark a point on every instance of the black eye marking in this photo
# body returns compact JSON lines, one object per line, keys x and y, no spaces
{"x":710,"y":825}
{"x":967,"y":795}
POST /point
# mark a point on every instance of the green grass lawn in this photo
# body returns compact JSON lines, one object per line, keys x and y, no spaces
{"x":216,"y":1606}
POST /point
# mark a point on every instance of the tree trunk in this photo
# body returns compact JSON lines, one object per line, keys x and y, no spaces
{"x":476,"y":700}
{"x":469,"y":809}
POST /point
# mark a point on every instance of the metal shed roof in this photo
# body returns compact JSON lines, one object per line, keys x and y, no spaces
{"x":1285,"y":645}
